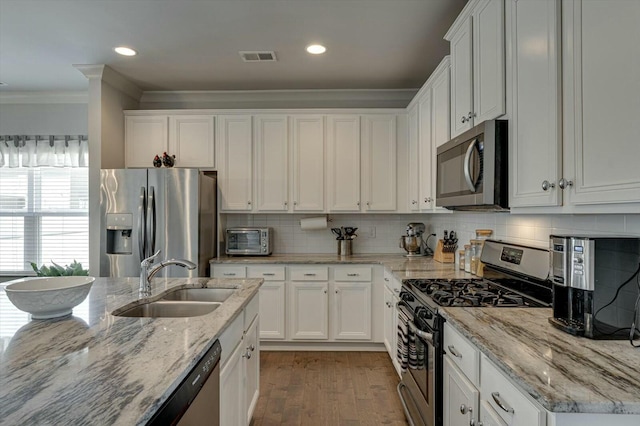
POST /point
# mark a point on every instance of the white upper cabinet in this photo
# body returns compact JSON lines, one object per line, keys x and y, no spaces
{"x":429,"y":124}
{"x":461,"y":78}
{"x":536,"y":127}
{"x":343,"y":162}
{"x":145,"y":137}
{"x":192,"y":140}
{"x":413,"y":160}
{"x":272,"y":173}
{"x":235,"y":165}
{"x":308,"y":163}
{"x":477,"y":65}
{"x":379,"y":162}
{"x":601,"y":92}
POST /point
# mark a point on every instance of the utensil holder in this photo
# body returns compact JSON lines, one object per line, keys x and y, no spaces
{"x":445,"y":253}
{"x":344,"y":247}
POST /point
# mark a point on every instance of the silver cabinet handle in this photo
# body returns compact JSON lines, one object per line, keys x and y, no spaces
{"x":546,"y":185}
{"x":563,"y":183}
{"x":414,"y":202}
{"x":501,"y":403}
{"x":336,"y":291}
{"x":285,"y":204}
{"x":309,"y":275}
{"x":358,"y":204}
{"x":268,"y":274}
{"x":471,"y":115}
{"x":463,"y":119}
{"x":247,"y":354}
{"x":353,"y":275}
{"x":325,"y":292}
{"x":453,"y":351}
{"x":368,"y":204}
{"x":252,"y":348}
{"x":396,"y":290}
{"x":249,"y":202}
{"x":295,"y":203}
{"x":386,"y":279}
{"x":464,"y":409}
{"x":229,"y":274}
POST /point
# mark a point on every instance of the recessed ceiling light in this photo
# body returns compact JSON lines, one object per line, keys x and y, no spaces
{"x":125,"y":51}
{"x":316,"y":49}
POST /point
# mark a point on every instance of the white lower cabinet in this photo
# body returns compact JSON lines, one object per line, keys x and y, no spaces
{"x":391,"y":291}
{"x":351,"y":311}
{"x":240,"y":369}
{"x":308,"y":310}
{"x":488,"y":416}
{"x":461,"y":397}
{"x":272,"y":300}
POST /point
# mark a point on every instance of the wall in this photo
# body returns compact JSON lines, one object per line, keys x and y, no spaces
{"x":43,"y":119}
{"x":527,"y":229}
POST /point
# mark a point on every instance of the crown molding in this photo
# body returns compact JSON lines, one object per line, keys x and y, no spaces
{"x":111,"y":77}
{"x":44,"y":97}
{"x":375,"y":98}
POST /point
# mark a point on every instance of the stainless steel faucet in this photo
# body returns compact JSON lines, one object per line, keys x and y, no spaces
{"x":147,"y":272}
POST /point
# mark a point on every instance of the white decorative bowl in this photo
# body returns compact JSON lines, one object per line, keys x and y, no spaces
{"x":48,"y":297}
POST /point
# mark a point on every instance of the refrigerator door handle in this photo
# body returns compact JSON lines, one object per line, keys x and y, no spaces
{"x":151,"y":222}
{"x":142,"y":223}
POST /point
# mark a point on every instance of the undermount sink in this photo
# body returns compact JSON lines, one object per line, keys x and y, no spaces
{"x":218,"y":295}
{"x":182,"y":302}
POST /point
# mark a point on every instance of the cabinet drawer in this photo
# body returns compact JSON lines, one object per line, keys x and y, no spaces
{"x":229,"y":272}
{"x":305,"y":273}
{"x":352,"y":273}
{"x":497,"y":389}
{"x":230,"y":338}
{"x":251,"y":311}
{"x":463,"y":354}
{"x":268,"y":273}
{"x":391,"y":282}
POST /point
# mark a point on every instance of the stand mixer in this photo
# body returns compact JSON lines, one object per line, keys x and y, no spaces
{"x":413,"y":242}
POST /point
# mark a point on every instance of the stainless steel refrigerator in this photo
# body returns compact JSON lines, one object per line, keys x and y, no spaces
{"x":145,"y":210}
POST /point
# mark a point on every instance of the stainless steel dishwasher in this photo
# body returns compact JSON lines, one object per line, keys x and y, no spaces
{"x":196,"y":401}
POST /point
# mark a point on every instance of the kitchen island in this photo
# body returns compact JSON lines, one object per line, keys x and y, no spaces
{"x":96,"y":368}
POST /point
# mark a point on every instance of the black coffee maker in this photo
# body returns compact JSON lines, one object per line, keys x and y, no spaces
{"x":587,"y":272}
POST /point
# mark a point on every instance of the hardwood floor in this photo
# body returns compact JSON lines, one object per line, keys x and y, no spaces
{"x":327,"y":388}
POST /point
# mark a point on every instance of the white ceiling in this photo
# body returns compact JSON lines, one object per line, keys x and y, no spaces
{"x":194,"y":44}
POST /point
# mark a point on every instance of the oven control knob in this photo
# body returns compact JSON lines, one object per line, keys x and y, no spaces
{"x":406,"y":297}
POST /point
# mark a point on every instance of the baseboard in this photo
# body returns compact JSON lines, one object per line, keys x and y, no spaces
{"x":266,"y":345}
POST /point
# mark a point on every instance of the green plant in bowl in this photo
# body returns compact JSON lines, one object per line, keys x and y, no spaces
{"x":55,"y":270}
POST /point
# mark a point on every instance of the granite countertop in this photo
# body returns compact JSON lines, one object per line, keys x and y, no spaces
{"x":96,"y":368}
{"x":401,"y":266}
{"x":564,"y":373}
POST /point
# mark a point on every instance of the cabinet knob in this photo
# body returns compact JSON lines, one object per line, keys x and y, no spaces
{"x":285,"y":204}
{"x":358,"y":204}
{"x":463,"y":119}
{"x":249,"y":202}
{"x":396,"y":290}
{"x":252,"y":348}
{"x":471,"y":115}
{"x":368,"y":204}
{"x":546,"y":185}
{"x":336,"y":291}
{"x":295,"y":203}
{"x":325,"y":292}
{"x":464,"y":409}
{"x":563,"y":183}
{"x":453,"y":351}
{"x":414,"y":202}
{"x":501,"y":403}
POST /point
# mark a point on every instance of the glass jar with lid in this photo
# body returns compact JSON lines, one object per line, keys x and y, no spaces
{"x":476,"y":252}
{"x":467,"y":257}
{"x":483,"y":234}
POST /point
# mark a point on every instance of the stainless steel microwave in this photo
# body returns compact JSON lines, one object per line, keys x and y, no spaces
{"x":249,"y":241}
{"x":472,"y":169}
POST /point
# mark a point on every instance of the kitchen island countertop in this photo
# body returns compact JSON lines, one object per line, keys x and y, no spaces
{"x":96,"y":368}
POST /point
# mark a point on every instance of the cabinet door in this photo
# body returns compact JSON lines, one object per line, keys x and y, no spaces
{"x":351,"y":308}
{"x":272,"y":309}
{"x":252,"y":369}
{"x":145,"y":137}
{"x":343,"y":161}
{"x":389,"y":329}
{"x":379,"y":162}
{"x":308,"y":163}
{"x":308,"y":310}
{"x":461,"y":398}
{"x":536,"y":126}
{"x":488,"y":60}
{"x":191,"y":140}
{"x":441,"y":92}
{"x":413,"y":160}
{"x":424,"y":148}
{"x":461,"y":79}
{"x":272,"y":172}
{"x":601,"y":92}
{"x":235,"y":170}
{"x":232,"y":389}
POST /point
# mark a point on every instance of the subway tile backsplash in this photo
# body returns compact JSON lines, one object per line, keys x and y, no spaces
{"x":380,"y":233}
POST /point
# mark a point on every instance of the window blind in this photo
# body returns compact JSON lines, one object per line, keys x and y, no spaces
{"x":43,"y":217}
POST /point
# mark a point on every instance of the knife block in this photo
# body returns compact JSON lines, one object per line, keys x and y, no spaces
{"x":444,"y":253}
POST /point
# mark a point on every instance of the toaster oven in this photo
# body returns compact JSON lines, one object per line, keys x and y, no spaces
{"x":249,"y":241}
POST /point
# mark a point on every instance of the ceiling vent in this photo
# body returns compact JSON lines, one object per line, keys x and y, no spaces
{"x":265,"y":56}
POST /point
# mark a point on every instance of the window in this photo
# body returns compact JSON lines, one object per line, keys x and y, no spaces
{"x":43,"y":217}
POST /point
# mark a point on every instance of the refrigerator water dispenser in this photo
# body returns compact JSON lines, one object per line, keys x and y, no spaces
{"x":119,"y":227}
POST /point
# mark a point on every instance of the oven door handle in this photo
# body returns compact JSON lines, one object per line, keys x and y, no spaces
{"x":428,"y":337}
